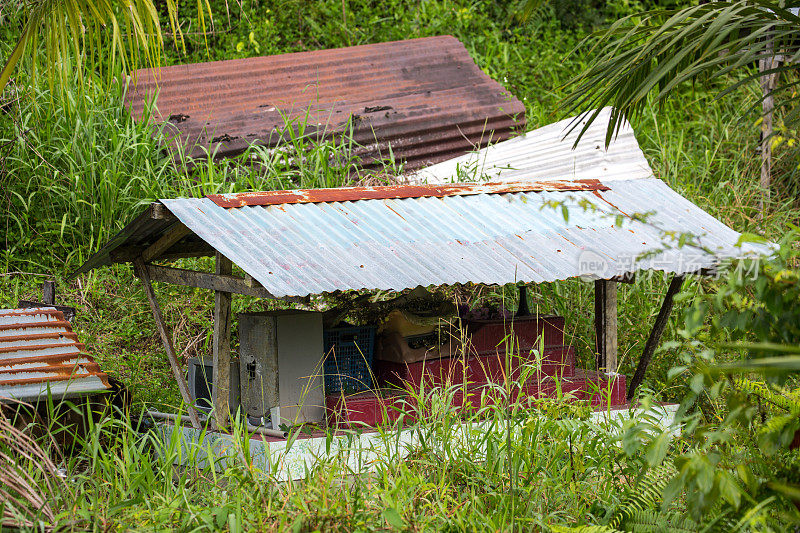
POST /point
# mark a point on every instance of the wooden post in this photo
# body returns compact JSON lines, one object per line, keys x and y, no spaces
{"x":655,"y":334}
{"x":768,"y":84}
{"x":141,"y":273}
{"x":49,"y":292}
{"x":605,"y":324}
{"x":222,"y":346}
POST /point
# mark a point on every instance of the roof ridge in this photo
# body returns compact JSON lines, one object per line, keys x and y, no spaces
{"x":390,"y":192}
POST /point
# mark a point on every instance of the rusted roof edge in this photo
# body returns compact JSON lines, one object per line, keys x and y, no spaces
{"x":352,"y":194}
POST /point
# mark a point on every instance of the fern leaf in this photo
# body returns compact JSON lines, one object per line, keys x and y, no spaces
{"x":583,"y":529}
{"x":646,"y":494}
{"x":650,"y":521}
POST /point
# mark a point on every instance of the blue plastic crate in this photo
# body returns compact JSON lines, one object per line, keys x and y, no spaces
{"x":348,"y":358}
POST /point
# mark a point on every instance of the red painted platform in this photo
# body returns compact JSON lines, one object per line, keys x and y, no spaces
{"x":491,"y":337}
{"x":477,"y":370}
{"x":489,"y":375}
{"x":385,"y":406}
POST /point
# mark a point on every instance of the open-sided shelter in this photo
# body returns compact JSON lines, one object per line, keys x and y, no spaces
{"x":291,"y":244}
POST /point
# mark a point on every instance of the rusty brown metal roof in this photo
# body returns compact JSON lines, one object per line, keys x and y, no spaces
{"x":39,"y":351}
{"x":425,"y":98}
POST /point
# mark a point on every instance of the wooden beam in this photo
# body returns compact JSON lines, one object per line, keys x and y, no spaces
{"x":605,"y":309}
{"x":206,"y":280}
{"x":142,"y":273}
{"x":222,"y":346}
{"x":216,"y":282}
{"x":655,"y":333}
{"x":629,"y":278}
{"x":171,"y":237}
{"x":49,"y":292}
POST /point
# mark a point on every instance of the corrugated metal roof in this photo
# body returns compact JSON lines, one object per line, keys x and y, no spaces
{"x":425,"y":97}
{"x":499,"y":237}
{"x":38,"y":349}
{"x":546,"y":153}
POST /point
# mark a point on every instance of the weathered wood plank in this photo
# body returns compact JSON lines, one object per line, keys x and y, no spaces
{"x":206,"y":280}
{"x":171,"y":237}
{"x":605,"y":307}
{"x":655,"y":334}
{"x":222,"y":345}
{"x":49,"y":292}
{"x":768,"y":84}
{"x":142,"y":273}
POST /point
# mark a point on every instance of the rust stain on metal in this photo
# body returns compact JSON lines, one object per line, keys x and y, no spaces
{"x":597,"y":193}
{"x":40,"y":336}
{"x":393,"y":192}
{"x":39,"y":349}
{"x":423,"y":98}
{"x":29,"y":325}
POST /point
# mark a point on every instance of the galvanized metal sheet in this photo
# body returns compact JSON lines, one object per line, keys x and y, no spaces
{"x":549,"y":153}
{"x":40,"y":352}
{"x":296,"y":249}
{"x":424,"y":98}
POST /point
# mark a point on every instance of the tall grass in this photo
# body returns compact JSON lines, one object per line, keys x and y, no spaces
{"x":73,"y":178}
{"x":496,"y":468}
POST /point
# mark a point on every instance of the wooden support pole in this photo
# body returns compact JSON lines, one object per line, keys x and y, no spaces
{"x":49,"y":292}
{"x":141,"y":273}
{"x":222,"y":346}
{"x":605,"y":324}
{"x":768,"y":83}
{"x":767,"y":107}
{"x":655,"y":334}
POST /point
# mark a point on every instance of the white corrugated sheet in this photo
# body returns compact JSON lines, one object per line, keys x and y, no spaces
{"x":296,"y":249}
{"x":546,"y":154}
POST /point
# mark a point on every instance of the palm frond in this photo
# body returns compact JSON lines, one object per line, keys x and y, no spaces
{"x":79,"y":35}
{"x":654,"y":52}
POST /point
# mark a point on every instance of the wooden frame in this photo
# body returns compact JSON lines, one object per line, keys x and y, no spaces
{"x":224,"y":284}
{"x":171,"y":237}
{"x":222,"y":346}
{"x":605,"y":324}
{"x":183,"y":387}
{"x":655,"y":334}
{"x":208,"y":280}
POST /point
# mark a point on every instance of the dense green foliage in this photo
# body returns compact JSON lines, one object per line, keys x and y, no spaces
{"x":106,"y":35}
{"x":651,"y":53}
{"x":72,"y":175}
